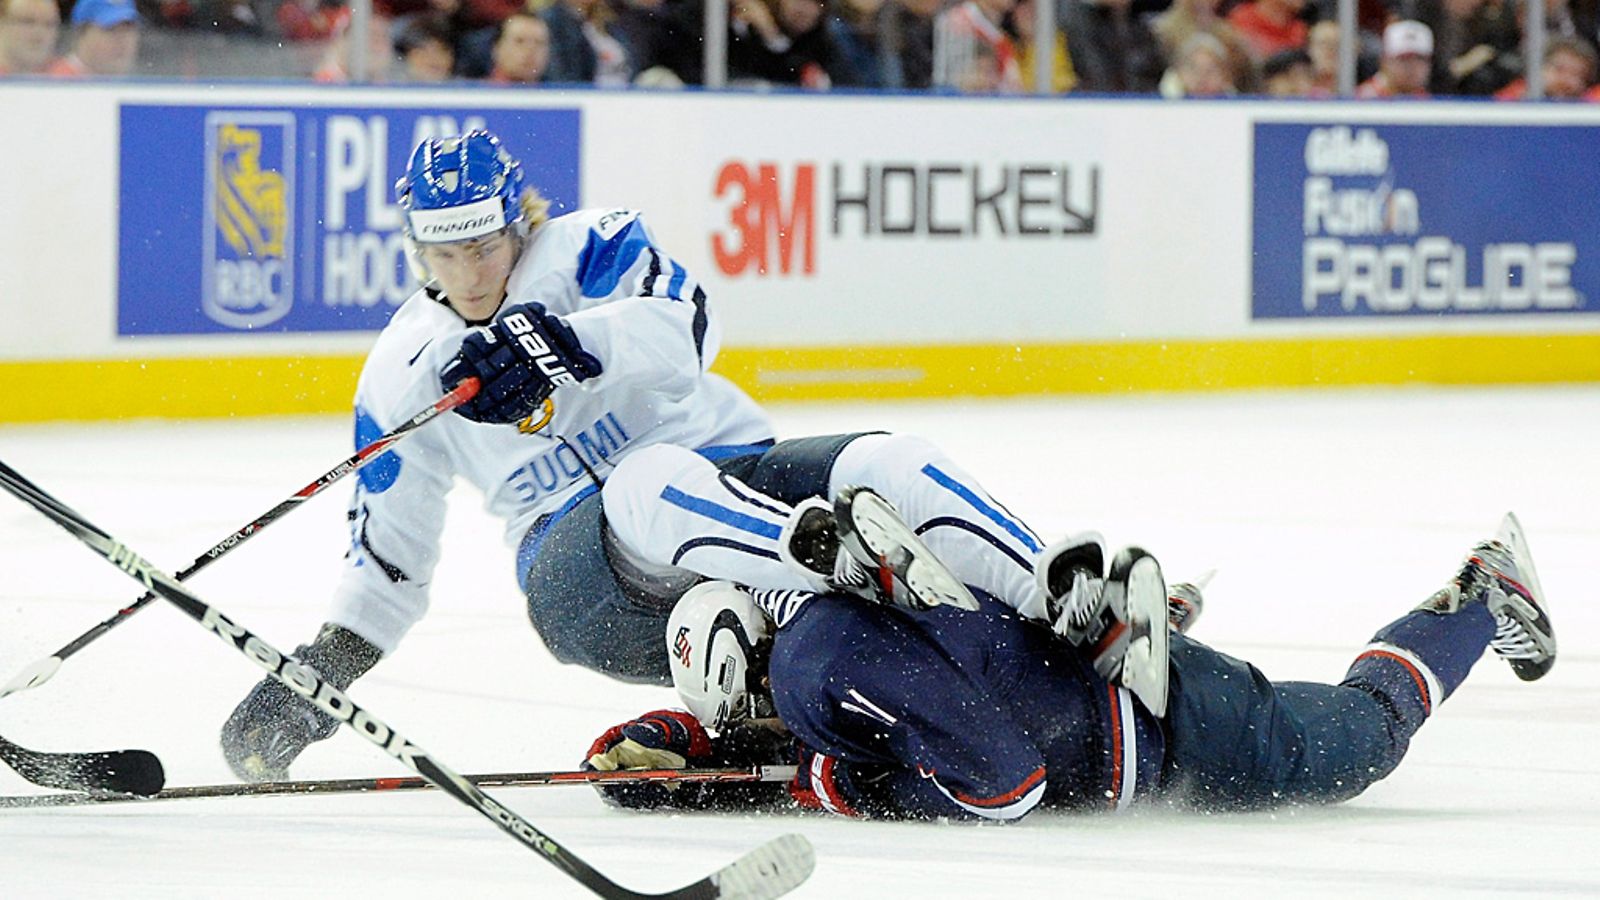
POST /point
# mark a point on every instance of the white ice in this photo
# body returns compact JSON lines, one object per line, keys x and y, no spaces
{"x":1326,"y":514}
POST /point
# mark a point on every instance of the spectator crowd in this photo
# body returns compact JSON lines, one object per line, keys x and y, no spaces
{"x":1175,"y":48}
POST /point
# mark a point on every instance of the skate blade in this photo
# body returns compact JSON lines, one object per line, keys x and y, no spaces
{"x":890,"y":540}
{"x":1511,"y":535}
{"x":1144,"y":665}
{"x":932,"y":584}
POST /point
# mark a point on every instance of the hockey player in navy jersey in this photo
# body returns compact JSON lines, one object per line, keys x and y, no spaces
{"x":625,"y":471}
{"x":946,"y":713}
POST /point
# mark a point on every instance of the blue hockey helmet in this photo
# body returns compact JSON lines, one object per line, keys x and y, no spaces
{"x":460,"y":188}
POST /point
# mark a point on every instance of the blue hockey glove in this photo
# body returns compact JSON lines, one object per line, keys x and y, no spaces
{"x":664,"y":739}
{"x":520,"y":359}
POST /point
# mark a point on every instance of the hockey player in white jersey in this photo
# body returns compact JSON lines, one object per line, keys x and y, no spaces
{"x":624,"y":470}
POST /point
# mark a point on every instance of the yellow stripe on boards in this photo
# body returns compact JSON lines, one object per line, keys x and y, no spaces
{"x":86,"y":390}
{"x":994,"y":370}
{"x":90,"y":390}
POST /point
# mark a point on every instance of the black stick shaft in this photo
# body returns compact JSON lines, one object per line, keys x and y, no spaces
{"x":40,"y":672}
{"x":770,"y":870}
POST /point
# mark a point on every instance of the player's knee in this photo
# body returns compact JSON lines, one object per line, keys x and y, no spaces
{"x":883,"y":461}
{"x":634,"y":488}
{"x":1015,"y":811}
{"x":595,"y":627}
{"x":1006,"y":805}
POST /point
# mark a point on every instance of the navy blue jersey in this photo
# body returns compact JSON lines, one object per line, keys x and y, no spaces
{"x":950,"y":713}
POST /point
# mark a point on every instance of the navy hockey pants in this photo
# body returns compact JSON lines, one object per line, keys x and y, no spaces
{"x":1238,"y":741}
{"x":587,"y":616}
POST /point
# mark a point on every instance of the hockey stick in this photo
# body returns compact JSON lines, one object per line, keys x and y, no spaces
{"x":41,"y":671}
{"x":770,"y":870}
{"x":135,"y":773}
{"x":388,"y":785}
{"x":139,"y":771}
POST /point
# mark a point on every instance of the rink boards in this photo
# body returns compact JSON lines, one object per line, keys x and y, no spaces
{"x":172,"y":251}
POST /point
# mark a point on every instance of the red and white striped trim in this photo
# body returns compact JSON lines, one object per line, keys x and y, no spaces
{"x":1013,"y":804}
{"x":1427,"y":683}
{"x":1124,"y":749}
{"x":826,"y":789}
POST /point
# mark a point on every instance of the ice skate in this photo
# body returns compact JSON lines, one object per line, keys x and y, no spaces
{"x":1136,"y":587}
{"x":861,"y":546}
{"x":1120,"y":621}
{"x":1185,"y":603}
{"x":1500,"y":574}
{"x":1069,"y":574}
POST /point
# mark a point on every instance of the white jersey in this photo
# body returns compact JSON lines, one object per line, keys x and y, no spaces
{"x":631,"y":306}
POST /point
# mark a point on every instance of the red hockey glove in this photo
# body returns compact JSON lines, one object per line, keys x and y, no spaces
{"x":825,"y":783}
{"x":663,"y":739}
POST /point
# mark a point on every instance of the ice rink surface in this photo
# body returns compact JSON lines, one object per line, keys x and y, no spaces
{"x":1326,"y":514}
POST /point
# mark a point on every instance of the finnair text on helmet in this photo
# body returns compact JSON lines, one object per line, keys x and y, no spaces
{"x":476,"y":219}
{"x":454,"y":229}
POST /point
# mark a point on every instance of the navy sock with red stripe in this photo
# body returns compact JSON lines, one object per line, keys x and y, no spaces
{"x":1420,"y":659}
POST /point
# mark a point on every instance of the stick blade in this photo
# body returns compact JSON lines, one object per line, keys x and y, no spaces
{"x":770,"y":870}
{"x":34,"y":675}
{"x":137,"y":772}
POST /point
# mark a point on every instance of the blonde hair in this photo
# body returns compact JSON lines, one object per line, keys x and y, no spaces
{"x":535,"y":209}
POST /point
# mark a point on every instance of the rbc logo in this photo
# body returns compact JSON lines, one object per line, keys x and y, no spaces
{"x":249,"y":210}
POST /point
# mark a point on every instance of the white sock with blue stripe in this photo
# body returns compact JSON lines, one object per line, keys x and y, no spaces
{"x":672,"y":507}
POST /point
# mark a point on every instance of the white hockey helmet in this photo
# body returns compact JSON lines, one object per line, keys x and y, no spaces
{"x":716,"y":643}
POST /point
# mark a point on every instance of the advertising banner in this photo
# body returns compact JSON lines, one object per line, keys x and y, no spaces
{"x":257,"y":219}
{"x":1424,"y":220}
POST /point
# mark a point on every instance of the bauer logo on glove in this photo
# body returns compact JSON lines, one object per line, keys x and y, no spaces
{"x":520,"y":359}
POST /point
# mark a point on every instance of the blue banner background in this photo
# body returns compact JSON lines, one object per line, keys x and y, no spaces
{"x":1474,"y":186}
{"x":304,"y":193}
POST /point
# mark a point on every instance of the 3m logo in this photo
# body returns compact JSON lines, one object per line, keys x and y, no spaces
{"x":764,"y":229}
{"x":249,"y":210}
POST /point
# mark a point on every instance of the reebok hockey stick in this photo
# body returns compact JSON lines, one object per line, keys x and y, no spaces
{"x":41,"y":671}
{"x":771,"y":870}
{"x":389,"y":785}
{"x":127,"y":771}
{"x":139,"y":771}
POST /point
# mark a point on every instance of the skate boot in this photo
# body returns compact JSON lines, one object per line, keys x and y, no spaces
{"x":861,"y":546}
{"x":1500,"y":574}
{"x":1069,"y":575}
{"x":1120,"y":622}
{"x":1185,"y":603}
